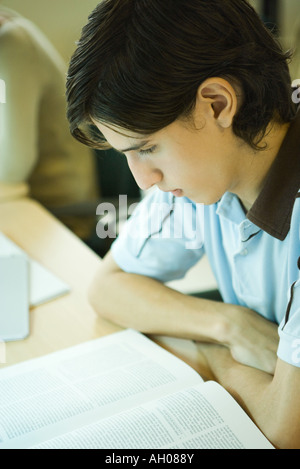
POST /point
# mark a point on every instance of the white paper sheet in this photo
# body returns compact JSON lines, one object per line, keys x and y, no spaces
{"x":43,"y":284}
{"x":14,"y":293}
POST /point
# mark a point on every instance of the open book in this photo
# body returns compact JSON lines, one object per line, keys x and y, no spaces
{"x":119,"y":392}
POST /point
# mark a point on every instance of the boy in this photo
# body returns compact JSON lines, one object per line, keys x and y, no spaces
{"x":197,"y":95}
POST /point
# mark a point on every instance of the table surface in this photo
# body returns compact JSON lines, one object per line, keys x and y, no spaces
{"x":10,"y":192}
{"x":68,"y":320}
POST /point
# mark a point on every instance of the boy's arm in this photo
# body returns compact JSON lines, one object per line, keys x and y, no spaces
{"x":149,"y":306}
{"x":271,"y":401}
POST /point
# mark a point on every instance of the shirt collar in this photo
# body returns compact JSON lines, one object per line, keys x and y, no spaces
{"x":272,"y":210}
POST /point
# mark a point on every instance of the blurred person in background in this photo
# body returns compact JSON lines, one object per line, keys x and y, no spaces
{"x":36,"y":146}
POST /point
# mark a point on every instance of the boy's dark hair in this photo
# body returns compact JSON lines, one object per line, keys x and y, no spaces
{"x":139,"y":64}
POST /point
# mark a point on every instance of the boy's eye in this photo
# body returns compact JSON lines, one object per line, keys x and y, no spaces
{"x":147,"y":151}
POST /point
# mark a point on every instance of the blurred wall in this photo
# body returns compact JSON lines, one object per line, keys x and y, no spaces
{"x":290,"y":15}
{"x":290,"y":32}
{"x":60,"y":20}
{"x":289,"y":28}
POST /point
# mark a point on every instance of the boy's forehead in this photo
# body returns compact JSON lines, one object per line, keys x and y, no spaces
{"x":126,"y":140}
{"x":122,"y":139}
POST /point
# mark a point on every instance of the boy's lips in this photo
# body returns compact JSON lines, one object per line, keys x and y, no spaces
{"x":177,"y":193}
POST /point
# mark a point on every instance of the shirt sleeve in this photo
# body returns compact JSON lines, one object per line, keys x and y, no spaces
{"x":163,"y":238}
{"x":289,"y":329}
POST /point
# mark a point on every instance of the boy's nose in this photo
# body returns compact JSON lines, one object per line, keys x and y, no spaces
{"x":145,"y":176}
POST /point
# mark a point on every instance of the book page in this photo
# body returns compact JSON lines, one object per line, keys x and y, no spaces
{"x":199,"y":417}
{"x":53,"y":395}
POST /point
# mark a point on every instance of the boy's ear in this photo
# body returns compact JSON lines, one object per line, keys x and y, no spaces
{"x":220,"y":100}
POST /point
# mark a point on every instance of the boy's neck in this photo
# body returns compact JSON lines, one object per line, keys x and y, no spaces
{"x":259,"y":164}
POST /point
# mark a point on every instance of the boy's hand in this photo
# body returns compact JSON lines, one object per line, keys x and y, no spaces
{"x":254,"y":341}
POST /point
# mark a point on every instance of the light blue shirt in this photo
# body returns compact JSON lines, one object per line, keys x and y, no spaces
{"x":255,"y":257}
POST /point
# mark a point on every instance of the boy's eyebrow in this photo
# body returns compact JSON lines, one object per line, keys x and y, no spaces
{"x":135,"y":147}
